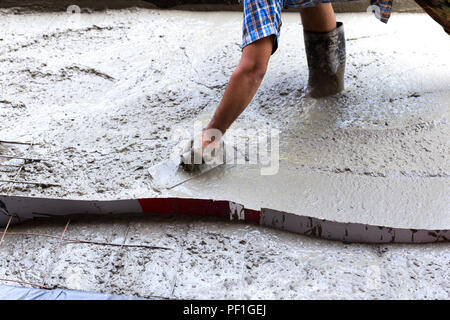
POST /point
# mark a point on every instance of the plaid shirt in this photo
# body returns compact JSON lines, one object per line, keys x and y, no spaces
{"x":381,"y":8}
{"x":262,"y":18}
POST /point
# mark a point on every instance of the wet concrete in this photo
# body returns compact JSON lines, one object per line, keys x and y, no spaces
{"x":104,"y":113}
{"x":206,"y":5}
{"x":206,"y":259}
{"x":399,"y":202}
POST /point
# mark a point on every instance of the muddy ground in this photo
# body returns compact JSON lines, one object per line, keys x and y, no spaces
{"x":101,"y":94}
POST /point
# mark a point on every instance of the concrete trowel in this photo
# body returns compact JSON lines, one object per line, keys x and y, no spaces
{"x":189,"y":165}
{"x":170,"y":174}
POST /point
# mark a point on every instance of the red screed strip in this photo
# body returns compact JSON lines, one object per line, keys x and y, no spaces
{"x":24,"y":208}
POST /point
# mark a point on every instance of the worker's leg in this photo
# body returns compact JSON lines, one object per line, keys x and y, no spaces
{"x":320,"y":18}
{"x":325,"y":50}
{"x":439,"y":10}
{"x":243,"y":83}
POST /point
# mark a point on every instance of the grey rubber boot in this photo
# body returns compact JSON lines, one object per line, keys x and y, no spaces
{"x":325,"y":53}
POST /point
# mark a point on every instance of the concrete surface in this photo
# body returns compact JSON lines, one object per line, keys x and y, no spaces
{"x":207,"y":259}
{"x":204,"y":5}
{"x":103,"y":92}
{"x":400,"y":202}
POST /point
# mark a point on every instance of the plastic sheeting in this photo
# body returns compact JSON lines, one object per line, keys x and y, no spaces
{"x":19,"y":293}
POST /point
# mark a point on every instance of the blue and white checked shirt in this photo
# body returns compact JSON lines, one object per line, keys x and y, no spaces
{"x":262,"y":18}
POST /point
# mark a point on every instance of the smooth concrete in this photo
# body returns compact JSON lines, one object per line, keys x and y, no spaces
{"x":402,"y":202}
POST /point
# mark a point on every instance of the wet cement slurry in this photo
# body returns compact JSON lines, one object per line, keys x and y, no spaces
{"x":104,"y":92}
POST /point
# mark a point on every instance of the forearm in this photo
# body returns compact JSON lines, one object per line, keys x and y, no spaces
{"x":238,"y":94}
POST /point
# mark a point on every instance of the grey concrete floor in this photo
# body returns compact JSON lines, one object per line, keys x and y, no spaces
{"x":173,"y":258}
{"x":72,"y":81}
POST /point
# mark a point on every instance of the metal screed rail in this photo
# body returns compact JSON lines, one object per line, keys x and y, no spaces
{"x":14,"y":209}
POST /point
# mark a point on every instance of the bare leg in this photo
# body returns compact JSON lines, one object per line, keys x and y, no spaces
{"x":243,"y":84}
{"x":320,"y":18}
{"x":250,"y":72}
